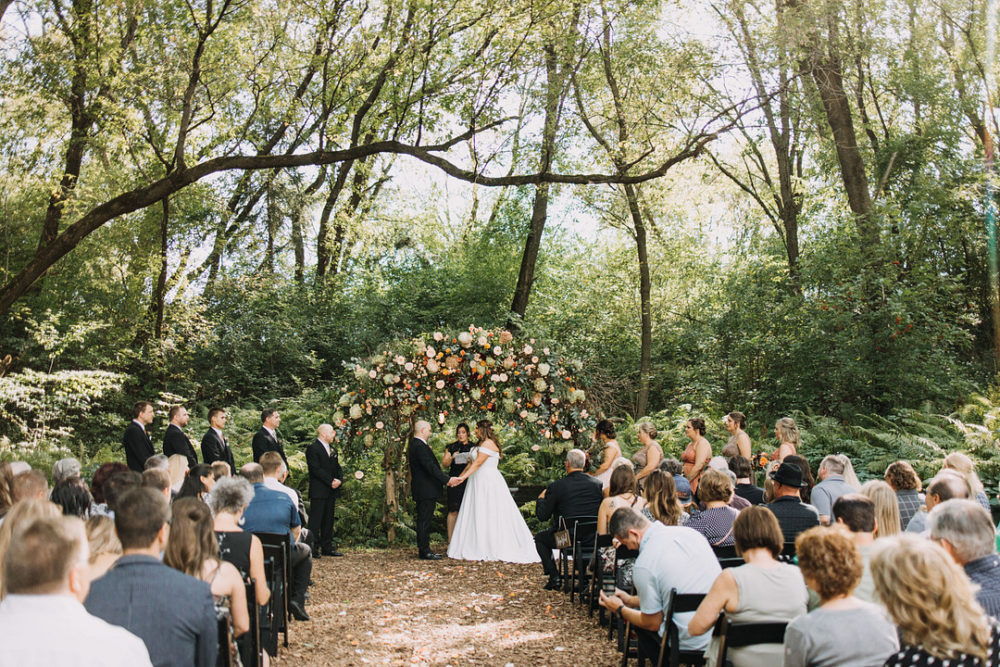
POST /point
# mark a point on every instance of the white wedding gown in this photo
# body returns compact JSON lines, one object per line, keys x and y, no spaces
{"x":489,"y":525}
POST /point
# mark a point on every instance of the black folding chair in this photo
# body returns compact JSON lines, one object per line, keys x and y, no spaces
{"x":225,"y":656}
{"x":678,"y":603}
{"x":738,"y":635}
{"x":600,"y":579}
{"x":582,"y":530}
{"x":277,"y":548}
{"x":622,"y":554}
{"x":727,"y":556}
{"x":249,"y":644}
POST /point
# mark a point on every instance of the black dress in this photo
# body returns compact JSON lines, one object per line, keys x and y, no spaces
{"x":916,"y":656}
{"x":234,"y":547}
{"x":456,"y":493}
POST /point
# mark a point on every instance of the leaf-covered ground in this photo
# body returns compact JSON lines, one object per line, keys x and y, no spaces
{"x":389,"y":608}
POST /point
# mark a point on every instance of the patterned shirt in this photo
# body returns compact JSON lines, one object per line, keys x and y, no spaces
{"x":794,"y":516}
{"x":716,"y":524}
{"x":985,"y":572}
{"x":910,"y":502}
{"x":916,"y":656}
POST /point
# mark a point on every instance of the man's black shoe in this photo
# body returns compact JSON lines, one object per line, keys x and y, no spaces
{"x":316,"y":555}
{"x":430,"y":556}
{"x":298,"y":611}
{"x":334,"y":553}
{"x":554,"y":584}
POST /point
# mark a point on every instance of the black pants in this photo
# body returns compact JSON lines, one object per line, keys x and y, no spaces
{"x":425,"y":513}
{"x":321,"y":522}
{"x":545,"y":542}
{"x":302,"y":566}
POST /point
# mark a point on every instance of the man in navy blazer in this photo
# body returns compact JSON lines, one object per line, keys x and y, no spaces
{"x":325,"y":479}
{"x":138,"y":446}
{"x":172,"y":613}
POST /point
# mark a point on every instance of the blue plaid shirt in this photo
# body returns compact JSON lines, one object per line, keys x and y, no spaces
{"x":985,"y":572}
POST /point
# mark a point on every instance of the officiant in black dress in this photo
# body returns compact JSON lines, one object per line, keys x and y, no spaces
{"x":456,"y":457}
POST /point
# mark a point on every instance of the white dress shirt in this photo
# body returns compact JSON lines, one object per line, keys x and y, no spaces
{"x":275,"y":485}
{"x":46,"y":630}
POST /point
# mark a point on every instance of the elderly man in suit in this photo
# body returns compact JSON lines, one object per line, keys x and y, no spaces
{"x":266,"y":439}
{"x":172,"y":613}
{"x":427,"y":478}
{"x":213,"y":445}
{"x":325,"y":479}
{"x":138,"y":446}
{"x":575,"y":495}
{"x":175,"y":440}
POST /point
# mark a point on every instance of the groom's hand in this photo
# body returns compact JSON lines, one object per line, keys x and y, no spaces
{"x":454,"y":481}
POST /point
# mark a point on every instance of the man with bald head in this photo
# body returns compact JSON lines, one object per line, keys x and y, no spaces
{"x":325,"y":479}
{"x":427,"y":478}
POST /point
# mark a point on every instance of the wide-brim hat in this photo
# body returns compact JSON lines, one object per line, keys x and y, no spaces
{"x":788,"y":474}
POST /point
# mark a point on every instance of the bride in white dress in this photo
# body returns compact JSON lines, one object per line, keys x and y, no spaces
{"x":489,"y":525}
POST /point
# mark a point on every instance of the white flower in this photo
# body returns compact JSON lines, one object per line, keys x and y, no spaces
{"x":528,"y":349}
{"x":534,"y":360}
{"x":555,"y":401}
{"x":482,"y":342}
{"x":566,"y":435}
{"x":584,"y":413}
{"x":477,"y":393}
{"x":438,"y":336}
{"x":497,"y":350}
{"x":440,"y":418}
{"x":494,"y":378}
{"x":439,"y":384}
{"x":540,"y":385}
{"x":535,"y":448}
{"x":379,"y":425}
{"x":358,"y":475}
{"x":545,"y":351}
{"x":387,"y":378}
{"x":373,"y":374}
{"x":345,"y":400}
{"x":508,"y":363}
{"x":465,"y":339}
{"x":356,"y":411}
{"x":399,"y":359}
{"x":430,"y":352}
{"x":408,"y":366}
{"x":524,"y":413}
{"x":432,"y":366}
{"x":503,"y":377}
{"x":360,"y":372}
{"x":543,"y":369}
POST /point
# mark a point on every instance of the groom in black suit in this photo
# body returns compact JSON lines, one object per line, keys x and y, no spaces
{"x":426,"y":479}
{"x":325,"y":479}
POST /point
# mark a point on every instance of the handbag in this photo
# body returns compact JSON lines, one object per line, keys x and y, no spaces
{"x":562,"y":537}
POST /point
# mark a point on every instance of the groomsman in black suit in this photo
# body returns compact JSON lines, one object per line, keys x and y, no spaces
{"x":426,"y":479}
{"x":266,"y":439}
{"x":137,"y":443}
{"x":213,"y":445}
{"x":175,"y":440}
{"x":325,"y":479}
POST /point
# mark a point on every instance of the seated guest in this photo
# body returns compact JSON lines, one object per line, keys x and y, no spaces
{"x":101,"y":476}
{"x":623,"y":491}
{"x":30,"y":484}
{"x":675,"y":469}
{"x":273,"y":512}
{"x":843,"y":630}
{"x":41,"y":620}
{"x":220,"y":469}
{"x":157,"y":462}
{"x":64,"y":469}
{"x":931,"y":601}
{"x":575,"y":495}
{"x":964,"y":466}
{"x":715,"y":522}
{"x":274,"y":472}
{"x":171,"y":612}
{"x":738,"y":503}
{"x":966,"y":532}
{"x":662,"y":503}
{"x":669,"y":558}
{"x":19,"y":516}
{"x":763,"y":590}
{"x":158,"y":480}
{"x":198,"y":483}
{"x":947,"y":485}
{"x":244,"y":550}
{"x":906,"y":483}
{"x":805,"y":491}
{"x":856,"y":513}
{"x":745,"y":488}
{"x":177,"y":467}
{"x":793,"y":515}
{"x":105,"y":548}
{"x":830,"y":487}
{"x":73,"y":497}
{"x":886,"y":507}
{"x":118,"y":485}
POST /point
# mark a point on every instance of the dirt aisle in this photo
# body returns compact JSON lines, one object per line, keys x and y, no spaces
{"x":389,"y":608}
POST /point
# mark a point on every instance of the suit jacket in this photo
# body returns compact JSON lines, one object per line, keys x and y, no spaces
{"x":265,"y":442}
{"x":426,"y":476}
{"x":175,"y":441}
{"x":172,"y":613}
{"x":138,"y":446}
{"x":323,"y":470}
{"x":213,"y":449}
{"x":576,"y":494}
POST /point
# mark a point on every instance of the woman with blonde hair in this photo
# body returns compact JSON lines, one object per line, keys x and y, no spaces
{"x":177,"y":468}
{"x":963,"y":465}
{"x":887,"y":521}
{"x":648,"y":458}
{"x":662,"y":503}
{"x":20,"y":515}
{"x":105,"y":548}
{"x":789,"y":440}
{"x":932,"y":603}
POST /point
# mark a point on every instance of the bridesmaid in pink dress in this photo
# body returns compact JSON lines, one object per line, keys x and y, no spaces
{"x":698,"y":452}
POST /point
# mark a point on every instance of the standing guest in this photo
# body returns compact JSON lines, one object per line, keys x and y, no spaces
{"x":662,"y":503}
{"x":966,"y":532}
{"x":64,"y":469}
{"x":789,"y":439}
{"x":325,"y":480}
{"x":221,"y":469}
{"x":175,"y":440}
{"x":843,"y":631}
{"x":715,"y":522}
{"x":623,"y":492}
{"x":931,"y":601}
{"x":886,"y":507}
{"x":906,"y":483}
{"x":698,"y":452}
{"x":830,"y":487}
{"x":807,"y":478}
{"x":73,"y":497}
{"x":171,"y":612}
{"x":456,"y":456}
{"x":103,"y":473}
{"x":136,"y":441}
{"x":739,"y":441}
{"x":46,"y":576}
{"x":273,"y":512}
{"x":428,"y":478}
{"x":105,"y":548}
{"x":177,"y":468}
{"x":158,"y":480}
{"x":793,"y":515}
{"x":648,"y":458}
{"x":762,"y":591}
{"x":745,"y":488}
{"x":213,"y":444}
{"x":575,"y":495}
{"x":30,"y":484}
{"x":611,"y":456}
{"x":855,"y":513}
{"x":947,"y":485}
{"x":669,"y":559}
{"x":197,"y":483}
{"x":963,"y":465}
{"x":266,"y":439}
{"x":20,"y":515}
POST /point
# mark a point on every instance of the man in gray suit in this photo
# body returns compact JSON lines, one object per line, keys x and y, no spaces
{"x":172,"y":613}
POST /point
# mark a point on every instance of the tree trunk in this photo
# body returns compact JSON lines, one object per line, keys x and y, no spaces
{"x":646,"y":319}
{"x":159,"y":293}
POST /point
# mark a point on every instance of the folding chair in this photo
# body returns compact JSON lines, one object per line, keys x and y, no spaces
{"x":678,"y":603}
{"x":788,"y":553}
{"x":727,"y":556}
{"x":599,"y":578}
{"x":249,"y":644}
{"x":622,"y":554}
{"x":582,"y":530}
{"x":738,"y":635}
{"x":225,"y":656}
{"x":278,"y":548}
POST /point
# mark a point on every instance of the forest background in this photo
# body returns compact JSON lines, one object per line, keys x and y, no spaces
{"x":783,"y":208}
